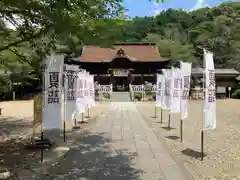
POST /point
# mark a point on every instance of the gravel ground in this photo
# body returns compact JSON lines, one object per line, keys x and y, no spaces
{"x":222,"y":146}
{"x":16,"y":126}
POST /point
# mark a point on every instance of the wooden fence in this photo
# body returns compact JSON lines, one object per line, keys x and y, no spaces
{"x":143,"y":89}
{"x":103,"y":92}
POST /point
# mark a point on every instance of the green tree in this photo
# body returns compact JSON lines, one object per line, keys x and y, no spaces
{"x":180,"y":34}
{"x":174,"y":50}
{"x":33,"y":19}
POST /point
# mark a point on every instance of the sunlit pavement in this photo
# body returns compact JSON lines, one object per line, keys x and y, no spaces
{"x":120,"y":145}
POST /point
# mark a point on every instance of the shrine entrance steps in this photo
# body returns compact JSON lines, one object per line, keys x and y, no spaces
{"x":120,"y":97}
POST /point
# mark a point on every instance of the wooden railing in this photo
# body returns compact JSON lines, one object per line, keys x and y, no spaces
{"x":105,"y":88}
{"x":103,"y":92}
{"x":143,"y":89}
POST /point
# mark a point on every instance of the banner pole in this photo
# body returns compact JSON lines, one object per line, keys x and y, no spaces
{"x":65,"y":104}
{"x":75,"y":123}
{"x":181,"y":130}
{"x":64,"y":131}
{"x":88,"y":112}
{"x":64,"y":110}
{"x":181,"y":121}
{"x":82,"y":118}
{"x":42,"y":135}
{"x":161,"y":116}
{"x":202,"y":132}
{"x":181,"y":96}
{"x":155,"y":111}
{"x":202,"y":140}
{"x":169,"y":121}
{"x":42,"y":147}
{"x":43,"y":105}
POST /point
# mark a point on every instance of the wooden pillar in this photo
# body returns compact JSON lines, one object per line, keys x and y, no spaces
{"x":112,"y":79}
{"x":155,"y":79}
{"x":130,"y":78}
{"x":142,"y":79}
{"x":99,"y":79}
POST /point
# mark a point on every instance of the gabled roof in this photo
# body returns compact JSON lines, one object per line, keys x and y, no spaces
{"x":144,"y":52}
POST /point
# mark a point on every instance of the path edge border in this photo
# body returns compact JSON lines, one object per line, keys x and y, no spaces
{"x":179,"y":163}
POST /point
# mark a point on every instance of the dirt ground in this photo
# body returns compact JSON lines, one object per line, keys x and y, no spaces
{"x":221,"y":146}
{"x":16,"y":127}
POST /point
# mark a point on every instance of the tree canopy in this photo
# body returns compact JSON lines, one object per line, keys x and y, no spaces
{"x":181,"y":35}
{"x":34,"y":18}
{"x":43,"y":26}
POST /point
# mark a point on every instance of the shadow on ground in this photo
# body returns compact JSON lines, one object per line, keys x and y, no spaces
{"x":93,"y":158}
{"x":14,"y":126}
{"x":153,"y":117}
{"x":172,"y":137}
{"x":15,"y":157}
{"x":167,"y":128}
{"x":192,"y":153}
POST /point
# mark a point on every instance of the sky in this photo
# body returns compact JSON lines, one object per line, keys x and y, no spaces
{"x":146,"y":8}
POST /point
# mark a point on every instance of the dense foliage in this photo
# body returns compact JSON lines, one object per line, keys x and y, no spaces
{"x":181,"y":35}
{"x":64,"y":26}
{"x":39,"y":27}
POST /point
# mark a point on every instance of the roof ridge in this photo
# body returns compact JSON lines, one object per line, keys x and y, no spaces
{"x":147,"y":52}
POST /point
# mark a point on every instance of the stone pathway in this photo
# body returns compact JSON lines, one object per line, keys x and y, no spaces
{"x":121,"y":146}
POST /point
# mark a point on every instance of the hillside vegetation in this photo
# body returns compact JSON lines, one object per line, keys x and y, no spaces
{"x":44,"y":26}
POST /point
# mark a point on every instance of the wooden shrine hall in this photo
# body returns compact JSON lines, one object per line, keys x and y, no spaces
{"x":138,"y":63}
{"x":123,"y":64}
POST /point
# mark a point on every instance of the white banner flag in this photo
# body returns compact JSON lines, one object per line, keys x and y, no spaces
{"x":70,"y":86}
{"x":86,"y":91}
{"x":176,"y":89}
{"x":92,"y":90}
{"x":167,"y":91}
{"x":210,"y":93}
{"x":186,"y":69}
{"x":163,"y":79}
{"x":159,"y":90}
{"x":53,"y":92}
{"x":89,"y":93}
{"x":80,"y":93}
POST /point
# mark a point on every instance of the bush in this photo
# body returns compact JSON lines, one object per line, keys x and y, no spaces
{"x":138,"y":96}
{"x":96,"y":93}
{"x":236,"y":94}
{"x":154,"y":96}
{"x":106,"y":95}
{"x":97,"y":97}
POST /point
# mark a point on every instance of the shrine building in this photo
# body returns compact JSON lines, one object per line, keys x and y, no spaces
{"x":137,"y":63}
{"x":123,"y":64}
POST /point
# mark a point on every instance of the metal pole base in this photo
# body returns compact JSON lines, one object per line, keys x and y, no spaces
{"x":88,"y":116}
{"x":64,"y":131}
{"x":181,"y":131}
{"x":169,"y":122}
{"x":82,"y":121}
{"x":155,"y":112}
{"x":161,"y":116}
{"x":202,"y":142}
{"x":75,"y":125}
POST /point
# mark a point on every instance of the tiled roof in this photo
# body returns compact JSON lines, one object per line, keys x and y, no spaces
{"x":217,"y":71}
{"x":134,"y":52}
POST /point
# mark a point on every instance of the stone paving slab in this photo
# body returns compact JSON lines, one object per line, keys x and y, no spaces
{"x":120,"y":146}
